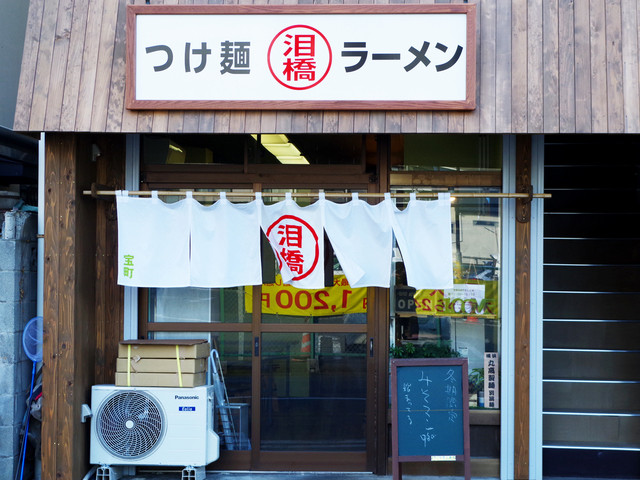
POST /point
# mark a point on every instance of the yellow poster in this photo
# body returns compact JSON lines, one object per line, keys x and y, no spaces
{"x":282,"y":299}
{"x":463,"y":300}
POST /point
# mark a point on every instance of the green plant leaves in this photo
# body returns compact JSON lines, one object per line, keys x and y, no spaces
{"x":427,"y":350}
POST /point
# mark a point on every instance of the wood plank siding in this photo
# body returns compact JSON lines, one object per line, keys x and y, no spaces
{"x":69,"y":304}
{"x":543,"y":66}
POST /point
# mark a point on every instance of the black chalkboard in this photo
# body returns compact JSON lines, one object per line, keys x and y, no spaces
{"x":430,"y":410}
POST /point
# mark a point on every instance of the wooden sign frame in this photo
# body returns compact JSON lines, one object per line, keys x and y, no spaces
{"x":397,"y":459}
{"x":468,"y":103}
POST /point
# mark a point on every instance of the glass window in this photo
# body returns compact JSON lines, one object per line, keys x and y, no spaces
{"x":465,"y":320}
{"x":268,"y":149}
{"x":306,"y":149}
{"x":447,"y":153}
{"x":179,"y":149}
{"x":198,"y":305}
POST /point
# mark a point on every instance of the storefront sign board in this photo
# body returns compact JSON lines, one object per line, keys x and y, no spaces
{"x":301,"y":57}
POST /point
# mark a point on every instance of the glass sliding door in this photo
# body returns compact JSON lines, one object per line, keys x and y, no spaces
{"x":314,"y":350}
{"x":313,"y":399}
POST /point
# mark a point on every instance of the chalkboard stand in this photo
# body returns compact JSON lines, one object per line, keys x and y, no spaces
{"x":450,"y":440}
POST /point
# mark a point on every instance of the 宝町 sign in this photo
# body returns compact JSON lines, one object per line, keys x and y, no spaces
{"x":301,"y":57}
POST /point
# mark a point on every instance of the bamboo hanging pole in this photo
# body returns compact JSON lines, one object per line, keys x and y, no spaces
{"x":107,"y":193}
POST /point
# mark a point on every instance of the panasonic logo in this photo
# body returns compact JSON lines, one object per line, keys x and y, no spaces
{"x":187,"y":397}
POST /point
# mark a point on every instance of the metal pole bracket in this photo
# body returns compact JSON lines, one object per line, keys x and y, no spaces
{"x":523,"y":205}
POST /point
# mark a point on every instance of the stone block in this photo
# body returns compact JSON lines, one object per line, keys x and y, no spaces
{"x":9,"y":441}
{"x":8,"y":464}
{"x":8,"y":378}
{"x":10,"y":317}
{"x":11,"y":350}
{"x":17,"y":255}
{"x":7,"y":410}
{"x":9,"y":259}
{"x":9,"y":290}
{"x":15,"y":378}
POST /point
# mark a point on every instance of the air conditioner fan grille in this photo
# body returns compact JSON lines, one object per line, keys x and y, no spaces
{"x":130,"y":425}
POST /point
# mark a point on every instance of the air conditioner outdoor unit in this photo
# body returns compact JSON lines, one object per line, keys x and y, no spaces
{"x":153,"y":426}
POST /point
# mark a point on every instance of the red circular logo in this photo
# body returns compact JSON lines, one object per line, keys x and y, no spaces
{"x":296,"y":244}
{"x":299,"y":57}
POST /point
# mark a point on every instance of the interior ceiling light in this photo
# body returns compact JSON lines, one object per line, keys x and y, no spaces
{"x":175,"y":153}
{"x":280,"y":147}
{"x":293,"y":160}
{"x":176,"y":147}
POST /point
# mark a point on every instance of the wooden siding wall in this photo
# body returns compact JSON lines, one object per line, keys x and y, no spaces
{"x":521,"y":447}
{"x":109,"y":317}
{"x":69,"y":306}
{"x":544,"y":66}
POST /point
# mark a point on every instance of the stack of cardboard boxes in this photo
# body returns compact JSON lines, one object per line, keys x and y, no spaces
{"x":162,"y":363}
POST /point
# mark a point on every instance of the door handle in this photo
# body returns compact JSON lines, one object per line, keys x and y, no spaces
{"x":371,"y":347}
{"x":256,"y":346}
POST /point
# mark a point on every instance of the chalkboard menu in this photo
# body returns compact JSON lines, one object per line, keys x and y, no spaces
{"x":430,"y":410}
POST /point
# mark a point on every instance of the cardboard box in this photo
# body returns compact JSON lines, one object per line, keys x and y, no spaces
{"x":161,"y":379}
{"x":164,"y":348}
{"x":162,"y":365}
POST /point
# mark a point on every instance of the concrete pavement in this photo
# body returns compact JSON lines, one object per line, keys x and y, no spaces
{"x":150,"y":475}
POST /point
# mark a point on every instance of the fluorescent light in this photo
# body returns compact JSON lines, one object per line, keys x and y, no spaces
{"x":274,"y":139}
{"x":293,"y":160}
{"x":280,"y":147}
{"x":174,"y":146}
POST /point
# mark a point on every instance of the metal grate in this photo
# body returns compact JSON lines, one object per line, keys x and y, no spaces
{"x":130,"y":425}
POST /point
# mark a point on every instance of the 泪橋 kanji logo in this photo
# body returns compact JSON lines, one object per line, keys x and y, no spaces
{"x":299,"y":57}
{"x":296,"y":245}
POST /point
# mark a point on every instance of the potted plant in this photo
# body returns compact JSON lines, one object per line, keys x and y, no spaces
{"x":476,"y":386}
{"x":426,"y":350}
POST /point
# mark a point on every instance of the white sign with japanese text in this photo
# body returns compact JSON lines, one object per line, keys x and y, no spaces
{"x":235,"y":59}
{"x":491,"y":380}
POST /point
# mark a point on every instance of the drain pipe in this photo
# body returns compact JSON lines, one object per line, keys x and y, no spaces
{"x":40,"y":274}
{"x":40,"y":269}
